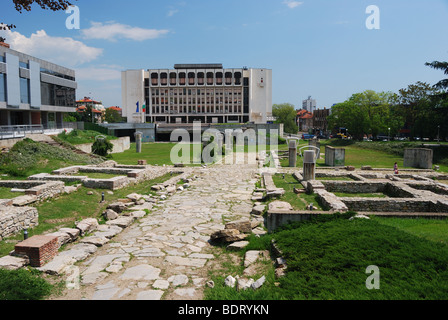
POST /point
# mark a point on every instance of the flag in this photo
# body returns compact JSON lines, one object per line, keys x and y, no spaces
{"x":138,"y":106}
{"x":144,"y":108}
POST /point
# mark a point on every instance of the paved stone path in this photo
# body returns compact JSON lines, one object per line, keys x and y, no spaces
{"x":166,"y":254}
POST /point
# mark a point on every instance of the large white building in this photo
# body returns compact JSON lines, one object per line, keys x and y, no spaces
{"x":197,"y":92}
{"x":34,"y":91}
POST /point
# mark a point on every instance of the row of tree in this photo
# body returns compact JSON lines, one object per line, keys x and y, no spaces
{"x":420,"y":110}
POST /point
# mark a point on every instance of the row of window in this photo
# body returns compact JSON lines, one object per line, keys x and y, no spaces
{"x":156,"y":101}
{"x":194,"y":92}
{"x":195,"y":110}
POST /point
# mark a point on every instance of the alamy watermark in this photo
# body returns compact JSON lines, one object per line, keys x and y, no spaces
{"x":373,"y":20}
{"x":373,"y":281}
{"x":73,"y":21}
{"x":212,"y":145}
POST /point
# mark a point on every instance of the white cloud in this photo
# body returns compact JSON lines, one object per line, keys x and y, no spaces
{"x":113,"y":31}
{"x":172,"y":12}
{"x":60,"y":50}
{"x":292,"y":4}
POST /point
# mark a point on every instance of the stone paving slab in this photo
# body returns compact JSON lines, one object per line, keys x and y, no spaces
{"x":166,"y":253}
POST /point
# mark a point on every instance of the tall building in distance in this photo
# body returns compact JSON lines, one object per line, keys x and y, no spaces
{"x":34,"y":91}
{"x":309,"y":105}
{"x":190,"y":93}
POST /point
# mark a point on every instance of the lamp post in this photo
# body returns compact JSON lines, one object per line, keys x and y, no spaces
{"x":438,"y":134}
{"x":389,"y":134}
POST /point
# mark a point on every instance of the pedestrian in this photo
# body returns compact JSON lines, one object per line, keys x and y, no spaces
{"x":396,"y":168}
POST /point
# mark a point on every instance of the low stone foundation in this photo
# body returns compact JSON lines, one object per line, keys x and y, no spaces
{"x":14,"y":219}
{"x":34,"y":190}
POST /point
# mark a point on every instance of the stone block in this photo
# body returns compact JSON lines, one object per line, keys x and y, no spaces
{"x":418,"y":158}
{"x":39,"y":249}
{"x":334,"y":157}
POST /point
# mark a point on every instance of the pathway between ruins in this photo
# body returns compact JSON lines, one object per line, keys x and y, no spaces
{"x":166,"y":254}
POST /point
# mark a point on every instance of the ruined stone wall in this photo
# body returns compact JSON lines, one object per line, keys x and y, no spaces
{"x":14,"y":219}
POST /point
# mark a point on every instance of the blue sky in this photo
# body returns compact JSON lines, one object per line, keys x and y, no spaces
{"x":320,"y":48}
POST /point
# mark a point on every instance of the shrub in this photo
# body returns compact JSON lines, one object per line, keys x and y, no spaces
{"x":102,"y":147}
{"x":22,"y":284}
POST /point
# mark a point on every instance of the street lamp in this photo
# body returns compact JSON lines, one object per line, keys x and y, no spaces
{"x":389,"y":134}
{"x":438,"y":134}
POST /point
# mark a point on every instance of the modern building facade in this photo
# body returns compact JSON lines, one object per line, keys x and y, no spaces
{"x":309,"y":104}
{"x":190,"y":93}
{"x":34,"y":91}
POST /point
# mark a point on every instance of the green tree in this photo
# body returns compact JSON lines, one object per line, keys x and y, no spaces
{"x":418,"y":104}
{"x":113,"y":116}
{"x":365,"y":113}
{"x":286,"y":114}
{"x":20,"y":5}
{"x":442,"y":84}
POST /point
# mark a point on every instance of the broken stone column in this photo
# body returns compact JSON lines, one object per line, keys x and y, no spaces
{"x":292,"y":153}
{"x":309,"y":165}
{"x":138,"y":141}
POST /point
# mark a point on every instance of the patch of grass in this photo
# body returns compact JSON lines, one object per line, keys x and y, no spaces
{"x":297,"y":201}
{"x":232,"y":264}
{"x":430,"y":229}
{"x":153,"y":153}
{"x":76,"y":137}
{"x":23,"y":284}
{"x":5,"y":193}
{"x":335,"y":178}
{"x":361,"y":195}
{"x":328,"y":261}
{"x":96,"y":175}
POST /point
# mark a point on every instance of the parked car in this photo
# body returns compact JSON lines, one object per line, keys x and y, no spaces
{"x":306,"y":136}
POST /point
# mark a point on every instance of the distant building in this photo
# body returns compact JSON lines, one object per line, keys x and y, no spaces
{"x":309,"y":104}
{"x":304,"y":120}
{"x":88,"y":102}
{"x":320,"y":120}
{"x":190,"y":93}
{"x":118,"y":109}
{"x":34,"y":91}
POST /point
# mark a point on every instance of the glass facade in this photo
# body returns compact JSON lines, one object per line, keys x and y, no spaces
{"x":54,"y":95}
{"x":24,"y":90}
{"x":2,"y":87}
{"x":56,"y":74}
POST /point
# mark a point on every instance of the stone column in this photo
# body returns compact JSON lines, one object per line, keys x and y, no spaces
{"x":309,"y":165}
{"x":138,"y":141}
{"x":292,"y":153}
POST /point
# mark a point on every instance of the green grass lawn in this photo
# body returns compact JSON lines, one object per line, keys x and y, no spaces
{"x":328,"y":261}
{"x":432,"y":229}
{"x":153,"y":153}
{"x":5,"y":193}
{"x":359,"y":155}
{"x":356,"y":157}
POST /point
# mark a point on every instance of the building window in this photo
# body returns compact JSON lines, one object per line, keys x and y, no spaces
{"x":2,"y":87}
{"x":24,"y":90}
{"x":54,"y":95}
{"x":24,"y":65}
